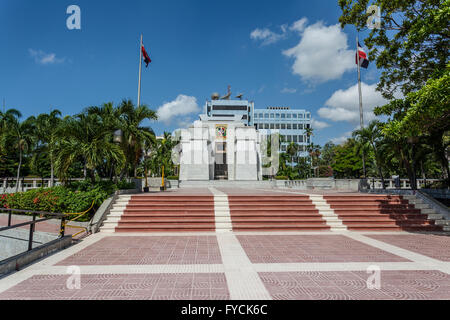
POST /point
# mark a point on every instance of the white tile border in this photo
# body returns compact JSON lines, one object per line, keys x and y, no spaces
{"x":221,"y":211}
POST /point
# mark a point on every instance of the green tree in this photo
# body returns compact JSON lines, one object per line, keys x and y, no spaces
{"x":348,"y":161}
{"x":411,"y":44}
{"x":86,"y":137}
{"x":135,"y":135}
{"x":45,"y":135}
{"x":371,"y":137}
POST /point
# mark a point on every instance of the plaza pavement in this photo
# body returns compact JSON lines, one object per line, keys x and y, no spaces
{"x":240,"y":265}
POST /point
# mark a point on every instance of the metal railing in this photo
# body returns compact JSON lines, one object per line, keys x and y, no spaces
{"x":47,"y":216}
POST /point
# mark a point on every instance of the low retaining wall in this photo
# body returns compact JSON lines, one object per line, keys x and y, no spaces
{"x":19,"y":261}
{"x":321,"y":184}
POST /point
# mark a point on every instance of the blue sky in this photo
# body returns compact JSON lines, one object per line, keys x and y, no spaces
{"x":278,"y":53}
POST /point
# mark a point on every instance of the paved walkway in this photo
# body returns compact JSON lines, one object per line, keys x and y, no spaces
{"x":241,"y":266}
{"x":248,"y":266}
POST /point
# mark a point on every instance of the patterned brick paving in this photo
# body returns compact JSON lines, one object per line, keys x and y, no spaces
{"x":434,"y":246}
{"x":123,"y":287}
{"x":149,"y":251}
{"x":395,"y":285}
{"x":311,"y":248}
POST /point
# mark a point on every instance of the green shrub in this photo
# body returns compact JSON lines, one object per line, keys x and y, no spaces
{"x":281,"y":178}
{"x":173,"y":178}
{"x":74,"y":198}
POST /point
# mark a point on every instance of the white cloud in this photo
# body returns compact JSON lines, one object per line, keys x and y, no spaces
{"x":44,"y":58}
{"x":181,"y":106}
{"x":322,"y":53}
{"x":318,"y":125}
{"x":343,"y":105}
{"x":342,"y":139}
{"x":267,"y":36}
{"x":288,"y":90}
{"x":299,"y":25}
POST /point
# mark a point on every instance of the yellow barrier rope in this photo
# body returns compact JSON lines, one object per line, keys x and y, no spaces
{"x":78,"y":215}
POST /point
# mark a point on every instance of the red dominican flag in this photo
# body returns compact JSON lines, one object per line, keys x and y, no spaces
{"x":147,"y":59}
{"x":363,"y":61}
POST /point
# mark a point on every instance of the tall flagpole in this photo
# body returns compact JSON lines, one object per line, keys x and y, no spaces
{"x":140,"y":73}
{"x":361,"y":114}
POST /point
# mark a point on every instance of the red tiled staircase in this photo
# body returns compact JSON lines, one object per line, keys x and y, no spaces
{"x":379,"y":213}
{"x":273,"y":213}
{"x":168,"y":214}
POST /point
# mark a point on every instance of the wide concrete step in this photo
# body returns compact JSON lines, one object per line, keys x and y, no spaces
{"x":268,"y":211}
{"x":350,"y":222}
{"x":256,"y":213}
{"x":345,"y":215}
{"x":180,"y":220}
{"x":167,"y":224}
{"x":168,"y":206}
{"x":273,"y":207}
{"x":171,"y":201}
{"x":353,"y":211}
{"x":282,"y":219}
{"x":372,"y":205}
{"x":279,"y":227}
{"x":361,"y":197}
{"x":193,"y":228}
{"x":179,"y":211}
{"x":267,"y":198}
{"x":370,"y":227}
{"x":162,"y":198}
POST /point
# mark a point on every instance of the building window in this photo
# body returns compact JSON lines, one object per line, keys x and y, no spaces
{"x":289,"y":116}
{"x":283,"y":148}
{"x":283,"y":116}
{"x":294,"y":126}
{"x":261,"y":116}
{"x":256,"y":126}
{"x":277,"y":126}
{"x":308,"y":126}
{"x":300,"y":139}
{"x":289,"y":126}
{"x":289,"y":139}
{"x":272,"y":116}
{"x":233,"y":108}
{"x":256,"y":116}
{"x":278,"y":116}
{"x":266,"y":116}
{"x":266,"y":126}
{"x":272,"y":126}
{"x":294,"y":116}
{"x":283,"y":126}
{"x":295,"y":138}
{"x":300,"y":126}
{"x":300,"y":116}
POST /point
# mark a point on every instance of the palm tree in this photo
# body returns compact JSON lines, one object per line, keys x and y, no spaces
{"x":371,"y":137}
{"x":45,"y":131}
{"x":87,"y":137}
{"x":135,"y":135}
{"x":20,"y":135}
